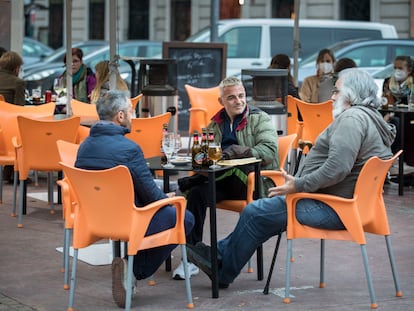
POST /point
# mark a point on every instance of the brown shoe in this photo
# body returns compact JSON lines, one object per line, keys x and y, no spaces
{"x":119,"y":273}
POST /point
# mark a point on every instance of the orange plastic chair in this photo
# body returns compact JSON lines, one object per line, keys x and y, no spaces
{"x":110,"y":194}
{"x":365,"y":212}
{"x":204,"y":105}
{"x":67,"y":153}
{"x":9,"y":129}
{"x":284,"y":145}
{"x":135,"y":100}
{"x":147,"y":132}
{"x":36,"y":149}
{"x":293,"y":123}
{"x":83,"y":132}
{"x":84,"y":110}
{"x":2,"y":98}
{"x":316,"y":118}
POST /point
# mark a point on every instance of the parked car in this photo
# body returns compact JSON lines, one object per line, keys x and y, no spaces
{"x":251,"y":43}
{"x":369,"y":55}
{"x":58,"y":55}
{"x":134,"y":48}
{"x":34,"y":51}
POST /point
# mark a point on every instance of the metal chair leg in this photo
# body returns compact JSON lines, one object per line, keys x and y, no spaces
{"x":398,"y":291}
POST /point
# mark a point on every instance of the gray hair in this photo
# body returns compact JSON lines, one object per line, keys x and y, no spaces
{"x":229,"y":81}
{"x":359,"y":88}
{"x":111,"y":103}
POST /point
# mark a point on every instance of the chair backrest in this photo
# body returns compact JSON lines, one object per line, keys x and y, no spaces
{"x":147,"y":133}
{"x":67,"y":151}
{"x":105,"y":209}
{"x":83,"y":132}
{"x":368,"y":193}
{"x":135,"y":100}
{"x":105,"y":199}
{"x":284,"y":145}
{"x":2,"y":98}
{"x":316,"y":118}
{"x":8,"y":120}
{"x":82,"y":109}
{"x":204,"y":105}
{"x":38,"y":143}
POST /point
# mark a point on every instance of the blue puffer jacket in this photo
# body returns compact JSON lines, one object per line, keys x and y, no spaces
{"x":107,"y":147}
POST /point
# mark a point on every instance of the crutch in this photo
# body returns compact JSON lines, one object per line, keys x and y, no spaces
{"x":272,"y":265}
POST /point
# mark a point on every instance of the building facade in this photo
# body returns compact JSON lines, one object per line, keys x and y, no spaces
{"x":168,"y":20}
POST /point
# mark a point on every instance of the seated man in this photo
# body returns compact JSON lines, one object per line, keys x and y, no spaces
{"x":357,"y":133}
{"x":244,"y":131}
{"x":107,"y":147}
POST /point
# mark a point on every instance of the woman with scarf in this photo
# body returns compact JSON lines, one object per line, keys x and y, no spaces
{"x":396,"y":90}
{"x":83,"y":78}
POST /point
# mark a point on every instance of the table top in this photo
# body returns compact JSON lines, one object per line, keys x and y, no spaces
{"x":398,"y":108}
{"x":154,"y":163}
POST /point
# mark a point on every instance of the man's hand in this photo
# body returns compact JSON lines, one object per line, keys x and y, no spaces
{"x":288,"y":187}
{"x":170,"y":194}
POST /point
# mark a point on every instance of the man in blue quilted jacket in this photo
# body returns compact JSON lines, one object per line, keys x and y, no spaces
{"x":107,"y":147}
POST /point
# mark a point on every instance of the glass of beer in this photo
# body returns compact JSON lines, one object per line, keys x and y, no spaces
{"x":214,"y":154}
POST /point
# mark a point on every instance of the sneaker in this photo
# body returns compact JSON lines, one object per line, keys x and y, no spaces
{"x":119,"y":281}
{"x":178,"y":273}
{"x":200,"y":255}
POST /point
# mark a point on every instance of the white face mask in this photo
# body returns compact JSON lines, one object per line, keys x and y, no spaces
{"x":400,"y":75}
{"x":325,"y":67}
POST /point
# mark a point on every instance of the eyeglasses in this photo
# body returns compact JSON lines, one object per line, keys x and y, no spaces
{"x":335,"y":91}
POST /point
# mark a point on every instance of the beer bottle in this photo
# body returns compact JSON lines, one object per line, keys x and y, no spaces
{"x":210,"y":140}
{"x":204,"y":147}
{"x":196,"y":154}
{"x":164,"y":132}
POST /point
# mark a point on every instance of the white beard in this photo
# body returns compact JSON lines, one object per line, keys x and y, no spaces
{"x":338,"y":107}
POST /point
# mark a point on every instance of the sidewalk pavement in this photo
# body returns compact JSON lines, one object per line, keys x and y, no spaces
{"x":30,"y":277}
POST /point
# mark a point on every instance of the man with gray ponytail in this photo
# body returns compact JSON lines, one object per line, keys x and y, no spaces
{"x":357,"y":133}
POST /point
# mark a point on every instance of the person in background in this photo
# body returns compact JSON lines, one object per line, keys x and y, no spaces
{"x":11,"y":86}
{"x":13,"y":90}
{"x":83,"y":78}
{"x":106,"y":147}
{"x":332,"y":167}
{"x":317,"y":88}
{"x":102,"y":81}
{"x":243,"y":131}
{"x":341,"y":64}
{"x":397,"y":87}
{"x":282,"y":61}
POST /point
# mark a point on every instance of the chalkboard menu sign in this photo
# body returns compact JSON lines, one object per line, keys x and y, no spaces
{"x":198,"y":64}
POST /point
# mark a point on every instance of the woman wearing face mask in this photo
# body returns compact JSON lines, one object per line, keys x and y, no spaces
{"x":318,"y":88}
{"x":396,"y":90}
{"x":397,"y":87}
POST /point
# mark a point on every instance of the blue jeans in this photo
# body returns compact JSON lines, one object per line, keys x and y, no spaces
{"x":262,"y":219}
{"x":147,"y":262}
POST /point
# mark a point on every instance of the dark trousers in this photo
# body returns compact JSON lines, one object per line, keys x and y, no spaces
{"x":229,"y":188}
{"x":147,"y":262}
